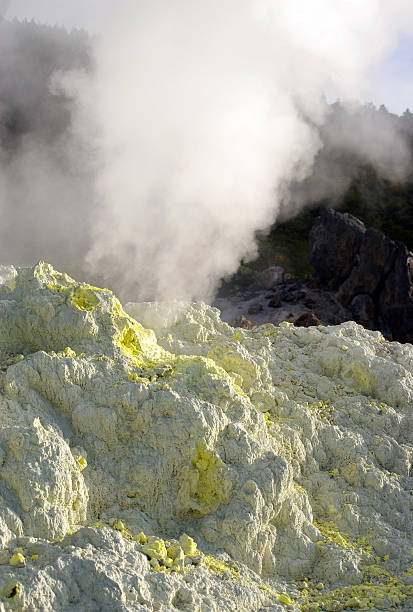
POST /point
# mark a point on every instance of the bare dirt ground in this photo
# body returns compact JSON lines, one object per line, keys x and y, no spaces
{"x":285,"y":302}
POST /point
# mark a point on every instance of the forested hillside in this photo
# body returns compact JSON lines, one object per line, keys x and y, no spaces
{"x":29,"y":55}
{"x":369,"y":186}
{"x":46,"y":182}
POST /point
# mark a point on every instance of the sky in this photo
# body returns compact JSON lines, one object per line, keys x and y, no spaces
{"x":69,"y":13}
{"x":391,"y":83}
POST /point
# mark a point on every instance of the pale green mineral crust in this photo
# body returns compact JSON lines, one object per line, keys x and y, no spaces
{"x":155,"y":458}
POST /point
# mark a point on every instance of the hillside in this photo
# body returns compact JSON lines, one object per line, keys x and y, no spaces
{"x":375,"y":200}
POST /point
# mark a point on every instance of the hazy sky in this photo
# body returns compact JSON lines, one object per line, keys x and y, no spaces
{"x":392,"y":83}
{"x":70,"y":13}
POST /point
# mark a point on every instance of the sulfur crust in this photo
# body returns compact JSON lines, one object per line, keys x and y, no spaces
{"x":192,"y":466}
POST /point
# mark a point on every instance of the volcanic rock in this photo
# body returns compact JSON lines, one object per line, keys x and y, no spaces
{"x":376,"y":257}
{"x":275,"y":301}
{"x":395,"y":301}
{"x":307,"y":319}
{"x":242,"y":322}
{"x":270,"y":277}
{"x":335,"y":240}
{"x":310,"y":303}
{"x":255,"y":308}
{"x":363,"y":311}
{"x":288,"y":296}
{"x":156,"y":458}
{"x":377,"y":280}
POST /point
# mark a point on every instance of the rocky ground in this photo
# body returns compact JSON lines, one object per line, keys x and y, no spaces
{"x":302,"y":303}
{"x":154,"y":458}
{"x":359,"y":274}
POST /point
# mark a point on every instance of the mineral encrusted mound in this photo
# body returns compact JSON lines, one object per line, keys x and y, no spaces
{"x":155,"y":458}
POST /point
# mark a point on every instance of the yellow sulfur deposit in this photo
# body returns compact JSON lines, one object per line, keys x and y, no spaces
{"x":188,"y":545}
{"x":220,"y":567}
{"x":285,"y":599}
{"x":12,"y":590}
{"x":205,"y":485}
{"x":18,"y":560}
{"x":83,"y":297}
{"x":155,"y":548}
{"x":82,"y":462}
{"x":285,"y":455}
{"x":175,"y":552}
{"x":118,"y":525}
{"x":141,"y":537}
{"x":136,"y":342}
{"x":332,"y":534}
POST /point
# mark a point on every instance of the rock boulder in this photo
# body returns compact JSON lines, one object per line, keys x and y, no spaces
{"x":373,"y":274}
{"x":335,"y":240}
{"x":270,"y":278}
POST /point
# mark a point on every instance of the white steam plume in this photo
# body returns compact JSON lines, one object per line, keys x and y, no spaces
{"x":200,"y":109}
{"x":46,"y":165}
{"x":151,"y":167}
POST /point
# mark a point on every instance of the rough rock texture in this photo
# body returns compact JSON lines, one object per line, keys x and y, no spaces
{"x":285,"y":454}
{"x":307,"y":319}
{"x":395,"y":302}
{"x":375,"y":260}
{"x":362,"y":309}
{"x":334,"y":244}
{"x":286,"y":302}
{"x":270,"y":278}
{"x":373,"y":274}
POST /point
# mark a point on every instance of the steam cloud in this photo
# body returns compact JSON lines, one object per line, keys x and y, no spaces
{"x":194,"y":122}
{"x":46,"y":167}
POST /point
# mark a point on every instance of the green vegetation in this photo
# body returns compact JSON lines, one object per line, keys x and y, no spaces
{"x":378,"y":202}
{"x":381,"y":203}
{"x":285,"y":245}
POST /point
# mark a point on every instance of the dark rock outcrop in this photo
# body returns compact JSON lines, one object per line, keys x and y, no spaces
{"x":270,"y":278}
{"x":374,"y":280}
{"x":395,"y":302}
{"x":375,"y":260}
{"x":335,"y":240}
{"x":242,"y":322}
{"x":275,"y":301}
{"x":363,"y":310}
{"x":255,"y":309}
{"x":307,"y":319}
